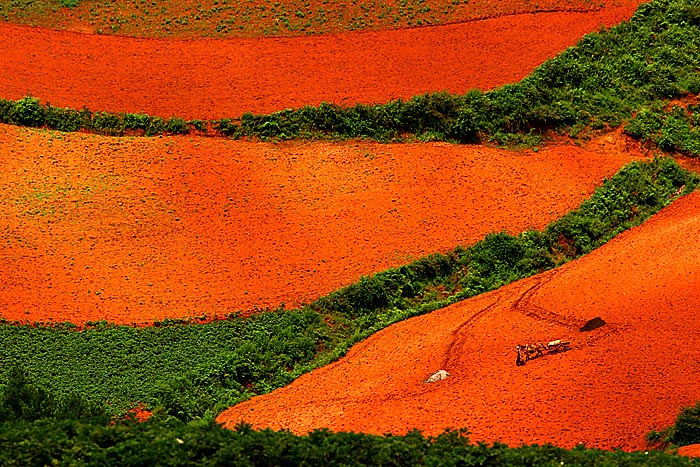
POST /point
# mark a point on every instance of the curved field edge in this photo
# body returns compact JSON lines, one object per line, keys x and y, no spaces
{"x":214,"y":79}
{"x":195,"y":371}
{"x":606,"y":79}
{"x":262,"y":18}
{"x":643,"y":284}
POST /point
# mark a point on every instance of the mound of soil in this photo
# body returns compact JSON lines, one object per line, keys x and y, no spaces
{"x":614,"y":385}
{"x":593,"y":324}
{"x":208,"y":79}
{"x":141,"y":229}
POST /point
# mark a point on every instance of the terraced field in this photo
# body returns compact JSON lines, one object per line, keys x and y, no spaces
{"x":137,"y":230}
{"x":610,"y":390}
{"x":315,"y":281}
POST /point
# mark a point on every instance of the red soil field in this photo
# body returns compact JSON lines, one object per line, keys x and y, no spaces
{"x":132,"y":230}
{"x":210,"y":79}
{"x":258,"y":18}
{"x":616,"y":383}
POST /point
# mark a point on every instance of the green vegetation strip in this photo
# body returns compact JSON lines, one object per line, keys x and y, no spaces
{"x":172,"y":443}
{"x":603,"y":81}
{"x":194,"y":371}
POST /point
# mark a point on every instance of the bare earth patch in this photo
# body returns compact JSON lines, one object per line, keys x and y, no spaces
{"x":132,"y":230}
{"x":208,"y":79}
{"x":615,"y":384}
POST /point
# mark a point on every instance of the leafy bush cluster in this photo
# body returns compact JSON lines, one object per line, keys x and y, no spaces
{"x":22,"y":400}
{"x":172,"y":443}
{"x":38,"y":430}
{"x":676,"y":129}
{"x":601,"y":82}
{"x":685,"y":431}
{"x":188,"y":371}
{"x":30,"y":112}
{"x":194,"y":371}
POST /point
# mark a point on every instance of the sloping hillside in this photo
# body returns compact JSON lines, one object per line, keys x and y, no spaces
{"x":135,"y":230}
{"x":208,"y":79}
{"x":614,"y":385}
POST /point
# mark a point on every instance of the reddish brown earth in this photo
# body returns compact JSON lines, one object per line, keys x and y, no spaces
{"x":691,"y":451}
{"x":615,"y":384}
{"x":209,"y":79}
{"x":257,"y":18}
{"x":138,"y":229}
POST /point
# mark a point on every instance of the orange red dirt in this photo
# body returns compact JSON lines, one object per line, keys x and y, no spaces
{"x":132,"y":230}
{"x":258,"y":18}
{"x":615,"y":384}
{"x":208,"y":79}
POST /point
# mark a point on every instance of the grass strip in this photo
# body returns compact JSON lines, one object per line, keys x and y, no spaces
{"x":194,"y":371}
{"x":603,"y":81}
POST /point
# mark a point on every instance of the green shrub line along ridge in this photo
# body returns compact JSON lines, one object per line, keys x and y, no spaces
{"x":606,"y":79}
{"x":193,"y":372}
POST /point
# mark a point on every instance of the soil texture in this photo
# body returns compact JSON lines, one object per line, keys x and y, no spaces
{"x":210,"y":79}
{"x":132,"y":230}
{"x":612,"y":387}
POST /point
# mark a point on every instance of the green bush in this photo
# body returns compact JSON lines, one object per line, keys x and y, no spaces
{"x":63,"y":119}
{"x":22,"y":400}
{"x":171,"y":443}
{"x":176,"y":126}
{"x":136,"y":121}
{"x":28,"y":112}
{"x":107,"y":123}
{"x":687,"y":427}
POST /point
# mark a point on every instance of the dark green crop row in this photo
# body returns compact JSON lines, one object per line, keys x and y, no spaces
{"x":601,"y":82}
{"x":172,"y":443}
{"x":194,"y":371}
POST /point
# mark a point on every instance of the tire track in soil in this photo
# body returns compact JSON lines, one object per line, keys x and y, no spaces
{"x":457,"y":340}
{"x":579,"y":340}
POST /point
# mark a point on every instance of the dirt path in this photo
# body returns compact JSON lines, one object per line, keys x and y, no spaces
{"x":615,"y":384}
{"x":209,"y":79}
{"x":139,"y":229}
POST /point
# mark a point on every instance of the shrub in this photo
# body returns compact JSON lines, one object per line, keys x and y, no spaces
{"x":687,"y":427}
{"x":176,"y":126}
{"x":28,"y":112}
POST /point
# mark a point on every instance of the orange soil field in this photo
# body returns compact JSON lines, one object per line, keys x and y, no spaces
{"x":210,"y":79}
{"x":615,"y":384}
{"x":258,"y":18}
{"x":132,"y":230}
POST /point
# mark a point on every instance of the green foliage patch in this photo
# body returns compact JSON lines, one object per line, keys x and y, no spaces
{"x":685,"y":431}
{"x":676,"y":129}
{"x":194,"y":371}
{"x":172,"y":443}
{"x":30,"y":112}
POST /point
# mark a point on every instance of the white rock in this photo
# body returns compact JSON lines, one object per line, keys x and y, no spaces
{"x":437,"y":376}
